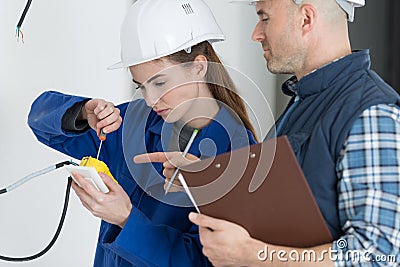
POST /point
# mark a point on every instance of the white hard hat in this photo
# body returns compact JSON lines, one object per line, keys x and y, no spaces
{"x":347,"y":5}
{"x":156,"y":28}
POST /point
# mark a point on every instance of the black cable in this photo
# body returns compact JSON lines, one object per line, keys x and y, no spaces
{"x":61,"y":164}
{"x":3,"y":191}
{"x":58,"y":231}
{"x":21,"y":20}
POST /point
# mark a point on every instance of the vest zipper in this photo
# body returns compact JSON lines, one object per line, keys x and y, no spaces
{"x":280,"y":125}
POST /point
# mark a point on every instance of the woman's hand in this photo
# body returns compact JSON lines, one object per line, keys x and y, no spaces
{"x":175,"y":187}
{"x":101,"y":114}
{"x":170,"y":160}
{"x":113,"y":207}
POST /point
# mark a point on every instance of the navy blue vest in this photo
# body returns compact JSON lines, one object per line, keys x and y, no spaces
{"x":331,"y":99}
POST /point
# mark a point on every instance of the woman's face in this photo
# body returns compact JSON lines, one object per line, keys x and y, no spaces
{"x":168,"y":88}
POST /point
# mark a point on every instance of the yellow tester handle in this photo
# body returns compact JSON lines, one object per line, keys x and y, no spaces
{"x":98,"y":165}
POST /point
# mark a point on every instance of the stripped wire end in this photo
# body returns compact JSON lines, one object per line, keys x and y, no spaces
{"x":18,"y":33}
{"x":21,"y":20}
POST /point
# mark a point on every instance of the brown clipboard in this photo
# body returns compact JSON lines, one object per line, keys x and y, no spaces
{"x":262,"y":188}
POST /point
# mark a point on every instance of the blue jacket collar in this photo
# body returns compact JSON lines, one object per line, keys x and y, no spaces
{"x":156,"y":128}
{"x":213,"y":139}
{"x":327,"y":75}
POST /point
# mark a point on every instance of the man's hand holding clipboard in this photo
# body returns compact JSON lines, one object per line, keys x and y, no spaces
{"x":269,"y":197}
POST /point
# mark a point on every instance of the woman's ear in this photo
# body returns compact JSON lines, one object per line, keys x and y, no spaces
{"x":199,"y":68}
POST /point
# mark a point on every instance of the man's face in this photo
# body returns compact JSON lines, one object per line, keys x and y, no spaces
{"x":278,"y":35}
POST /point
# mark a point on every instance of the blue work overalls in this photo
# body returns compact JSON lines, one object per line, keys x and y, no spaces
{"x":156,"y":233}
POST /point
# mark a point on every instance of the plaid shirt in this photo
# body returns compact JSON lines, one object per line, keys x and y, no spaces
{"x":368,"y":174}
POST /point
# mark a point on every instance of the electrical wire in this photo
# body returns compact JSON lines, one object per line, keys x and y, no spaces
{"x":55,"y":237}
{"x":62,"y":219}
{"x":33,"y":175}
{"x":29,"y":177}
{"x":18,"y":31}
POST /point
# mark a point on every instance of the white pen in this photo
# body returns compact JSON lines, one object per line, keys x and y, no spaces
{"x":186,"y":187}
{"x":184,"y":155}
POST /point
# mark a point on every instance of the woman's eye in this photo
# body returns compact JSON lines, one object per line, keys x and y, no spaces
{"x":159,"y":84}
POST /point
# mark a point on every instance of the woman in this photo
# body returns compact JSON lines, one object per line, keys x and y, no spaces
{"x":184,"y":87}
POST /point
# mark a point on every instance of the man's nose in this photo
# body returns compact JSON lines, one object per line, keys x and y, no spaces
{"x":258,"y":34}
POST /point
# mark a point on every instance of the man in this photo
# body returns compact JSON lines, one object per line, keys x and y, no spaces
{"x":343,"y":123}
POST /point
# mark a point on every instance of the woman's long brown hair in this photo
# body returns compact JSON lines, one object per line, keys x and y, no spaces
{"x":218,"y":80}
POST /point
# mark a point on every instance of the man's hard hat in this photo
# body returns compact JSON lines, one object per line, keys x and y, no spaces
{"x":156,"y":28}
{"x":347,"y":5}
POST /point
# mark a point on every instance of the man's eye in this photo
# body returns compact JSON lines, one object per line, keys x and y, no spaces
{"x":265,"y":20}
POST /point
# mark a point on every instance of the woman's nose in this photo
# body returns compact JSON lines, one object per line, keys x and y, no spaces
{"x":151,"y":98}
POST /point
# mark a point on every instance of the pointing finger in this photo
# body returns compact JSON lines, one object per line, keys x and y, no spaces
{"x":151,"y":157}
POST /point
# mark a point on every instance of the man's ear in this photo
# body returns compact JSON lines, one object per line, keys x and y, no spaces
{"x":199,"y":67}
{"x":309,"y":17}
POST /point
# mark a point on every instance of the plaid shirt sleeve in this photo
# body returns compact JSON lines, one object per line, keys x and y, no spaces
{"x":369,"y":191}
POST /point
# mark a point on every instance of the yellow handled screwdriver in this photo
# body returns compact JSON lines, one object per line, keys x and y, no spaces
{"x":102,"y":138}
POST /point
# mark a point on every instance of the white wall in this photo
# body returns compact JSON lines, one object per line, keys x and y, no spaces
{"x":246,"y":57}
{"x":68,"y":45}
